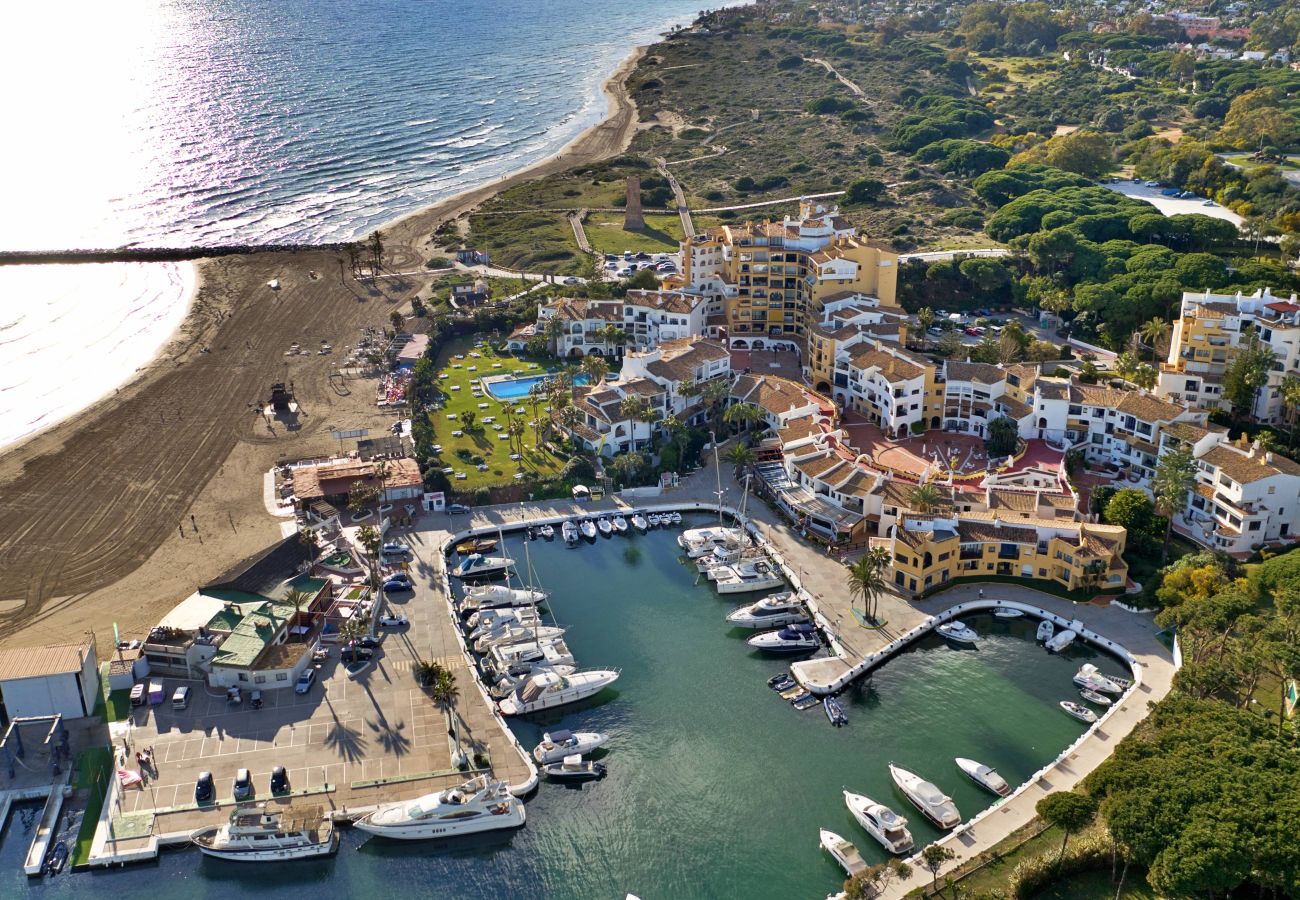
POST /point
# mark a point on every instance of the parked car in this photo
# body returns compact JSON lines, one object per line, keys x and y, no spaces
{"x":242,"y":788}
{"x":305,"y":681}
{"x":393,"y":586}
{"x":643,"y":255}
{"x":457,"y":509}
{"x":624,"y":273}
{"x":610,"y":257}
{"x":350,"y":655}
{"x":972,"y":331}
{"x":399,"y":576}
{"x":366,"y":640}
{"x":394,"y":621}
{"x":396,"y":549}
{"x":203,"y":788}
{"x":279,"y":780}
{"x":571,"y":280}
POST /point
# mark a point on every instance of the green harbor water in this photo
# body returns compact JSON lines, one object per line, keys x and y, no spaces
{"x":716,"y":786}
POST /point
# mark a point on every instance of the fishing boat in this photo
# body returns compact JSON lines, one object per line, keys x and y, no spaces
{"x":476,"y":565}
{"x":569,"y":531}
{"x":256,"y":834}
{"x":843,"y":852}
{"x":588,"y":529}
{"x":1045,"y":631}
{"x":770,"y":612}
{"x":476,"y":545}
{"x":1006,"y":612}
{"x":790,"y":639}
{"x":547,"y":532}
{"x":1090,"y":677}
{"x":984,"y":776}
{"x":750,"y":575}
{"x":574,"y":768}
{"x":834,"y":712}
{"x":958,"y":633}
{"x":603,"y":526}
{"x":477,"y":805}
{"x":639,"y":523}
{"x":933,"y":803}
{"x":1079,"y":711}
{"x":1061,"y":640}
{"x":498,"y":596}
{"x":515,"y":634}
{"x":881,"y":822}
{"x":1094,"y":697}
{"x":620,"y":524}
{"x":556,"y":745}
{"x":546,"y":690}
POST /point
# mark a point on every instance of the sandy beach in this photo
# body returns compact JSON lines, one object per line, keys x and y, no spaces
{"x":117,"y":513}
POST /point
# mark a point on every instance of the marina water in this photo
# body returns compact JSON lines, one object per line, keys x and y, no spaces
{"x":716,"y":786}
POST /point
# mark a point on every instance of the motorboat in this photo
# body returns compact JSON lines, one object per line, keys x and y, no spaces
{"x":751,"y":575}
{"x":957,"y":632}
{"x":639,"y":523}
{"x":499,"y":596}
{"x":477,"y":805}
{"x":547,"y":532}
{"x":803,"y":700}
{"x":574,"y":768}
{"x":480,"y":623}
{"x":933,"y":803}
{"x":256,"y":834}
{"x":1079,"y":711}
{"x":476,"y":565}
{"x":724,"y":554}
{"x":1006,"y":612}
{"x":699,"y":541}
{"x":620,"y":524}
{"x":515,"y":634}
{"x":984,"y":776}
{"x":834,"y":712}
{"x":770,"y":612}
{"x":843,"y":852}
{"x":790,"y":639}
{"x":1045,"y":631}
{"x":1095,"y":698}
{"x":782,"y":682}
{"x":674,"y":517}
{"x":881,"y":822}
{"x":569,"y":532}
{"x":654,"y":520}
{"x":476,"y":545}
{"x":556,"y":745}
{"x":1090,"y":677}
{"x":588,"y":529}
{"x":548,"y":689}
{"x":507,"y":684}
{"x":516,"y":659}
{"x":603,"y":526}
{"x":1061,"y":640}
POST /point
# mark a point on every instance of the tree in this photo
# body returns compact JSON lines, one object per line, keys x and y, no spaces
{"x":713,"y":394}
{"x":1069,"y":812}
{"x":297,"y":598}
{"x":932,"y":859}
{"x":625,"y":466}
{"x":1084,"y":152}
{"x":1153,"y":332}
{"x":740,"y":457}
{"x":871,"y":883}
{"x":866,"y":579}
{"x":1003,"y":435}
{"x":467,"y":419}
{"x":1290,"y":395}
{"x":376,"y":248}
{"x":926,"y":498}
{"x":360,"y":497}
{"x":1145,"y":376}
{"x":370,"y":539}
{"x":1247,"y":373}
{"x":352,"y":629}
{"x":865,"y":190}
{"x":426,"y":672}
{"x":925,"y":319}
{"x":742,"y":415}
{"x":636,"y":409}
{"x":444,"y":692}
{"x":1126,"y":365}
{"x":1175,"y":477}
{"x":596,"y":368}
{"x":1257,"y":118}
{"x":1132,"y":509}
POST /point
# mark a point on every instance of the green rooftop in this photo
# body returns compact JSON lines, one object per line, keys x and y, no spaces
{"x":251,"y":632}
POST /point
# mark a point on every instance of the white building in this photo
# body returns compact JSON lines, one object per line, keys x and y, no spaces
{"x":45,"y":681}
{"x":651,"y":317}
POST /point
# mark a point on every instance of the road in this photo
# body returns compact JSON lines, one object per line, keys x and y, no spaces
{"x":947,"y":255}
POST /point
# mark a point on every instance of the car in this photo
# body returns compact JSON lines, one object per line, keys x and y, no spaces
{"x":1137,"y":180}
{"x":279,"y":780}
{"x":457,"y":509}
{"x":305,"y":681}
{"x":1209,"y":203}
{"x":972,"y":331}
{"x":394,"y":621}
{"x":203,"y":788}
{"x":571,"y":280}
{"x":643,"y":255}
{"x":396,"y":549}
{"x":1153,"y":184}
{"x":242,"y":788}
{"x":934,"y":329}
{"x":392,"y":586}
{"x":399,"y":576}
{"x":627,"y":254}
{"x":611,"y":267}
{"x":366,"y":640}
{"x":624,"y":273}
{"x":610,"y":257}
{"x":355,"y":654}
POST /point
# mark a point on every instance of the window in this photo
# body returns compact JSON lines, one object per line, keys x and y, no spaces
{"x":1042,"y":573}
{"x":259,"y":679}
{"x":281,"y":676}
{"x":243,"y":676}
{"x":1254,"y":526}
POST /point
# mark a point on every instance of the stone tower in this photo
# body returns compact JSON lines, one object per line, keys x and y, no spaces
{"x":632,"y":218}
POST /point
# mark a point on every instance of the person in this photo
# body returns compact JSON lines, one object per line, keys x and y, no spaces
{"x":981,"y":593}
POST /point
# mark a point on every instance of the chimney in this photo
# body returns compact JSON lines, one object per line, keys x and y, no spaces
{"x":1268,"y":457}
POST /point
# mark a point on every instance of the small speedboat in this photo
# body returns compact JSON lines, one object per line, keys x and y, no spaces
{"x":1045,"y":631}
{"x":570,"y":532}
{"x":558,"y":745}
{"x":933,"y":803}
{"x":1061,"y":640}
{"x":1090,"y":677}
{"x":881,"y":822}
{"x":984,"y":776}
{"x":476,"y":565}
{"x":781,"y":682}
{"x":1079,"y":711}
{"x":574,"y":768}
{"x":843,"y":852}
{"x":834,"y":712}
{"x":1094,"y":697}
{"x":803,"y":701}
{"x":1006,"y":612}
{"x":476,"y":545}
{"x":957,"y":632}
{"x":654,"y":520}
{"x":639,"y":523}
{"x":588,"y":529}
{"x":603,"y":526}
{"x":674,"y":518}
{"x":547,"y":532}
{"x":620,"y":524}
{"x":790,"y":639}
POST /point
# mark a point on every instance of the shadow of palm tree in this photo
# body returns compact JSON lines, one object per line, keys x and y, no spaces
{"x":391,"y":737}
{"x":347,"y":741}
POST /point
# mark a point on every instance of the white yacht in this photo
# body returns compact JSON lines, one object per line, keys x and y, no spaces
{"x":790,"y":639}
{"x":588,"y":529}
{"x":674,"y":517}
{"x":499,"y":596}
{"x":1079,"y":711}
{"x":477,"y":805}
{"x":1045,"y":631}
{"x":255,"y":835}
{"x":476,"y":565}
{"x":1090,"y":677}
{"x":984,"y":776}
{"x":1006,"y":612}
{"x":770,"y":612}
{"x":516,"y":659}
{"x":933,"y":803}
{"x":750,"y":575}
{"x":724,"y":554}
{"x":483,"y":621}
{"x":639,"y":522}
{"x":603,"y":526}
{"x":881,"y":822}
{"x":515,"y":634}
{"x":545,"y":690}
{"x":569,"y":532}
{"x":507,"y":684}
{"x":1061,"y":640}
{"x":699,"y":541}
{"x":556,"y":745}
{"x":844,"y":853}
{"x":620,"y":524}
{"x":958,"y":632}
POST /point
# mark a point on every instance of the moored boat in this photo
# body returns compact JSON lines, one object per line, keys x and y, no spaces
{"x":1094,"y":697}
{"x":770,"y":612}
{"x":255,"y":834}
{"x":491,"y":619}
{"x":843,"y":852}
{"x":1045,"y":631}
{"x":958,"y":633}
{"x":985,"y":776}
{"x":620,"y":524}
{"x":499,"y":596}
{"x":790,"y":639}
{"x":1079,"y":711}
{"x":1061,"y":640}
{"x":1090,"y":677}
{"x":588,"y":529}
{"x":548,"y":689}
{"x":515,"y":634}
{"x":933,"y":803}
{"x":834,"y":712}
{"x":569,"y":531}
{"x":1006,"y":612}
{"x":476,"y":545}
{"x":547,"y":532}
{"x":574,"y":768}
{"x":556,"y":745}
{"x":881,"y":822}
{"x":476,"y":565}
{"x":475,"y":806}
{"x":699,"y":541}
{"x":750,"y":575}
{"x":604,"y":527}
{"x":639,"y":522}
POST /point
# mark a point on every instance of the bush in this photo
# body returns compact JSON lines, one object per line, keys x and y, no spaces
{"x":438,"y":262}
{"x":790,"y":62}
{"x":829,"y":106}
{"x":1280,"y":571}
{"x":1032,"y":876}
{"x":865,"y":190}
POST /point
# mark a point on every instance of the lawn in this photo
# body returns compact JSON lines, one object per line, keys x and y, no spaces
{"x":606,"y":235}
{"x":1098,"y":886}
{"x":94,"y":768}
{"x":1244,"y":161}
{"x":463,"y":453}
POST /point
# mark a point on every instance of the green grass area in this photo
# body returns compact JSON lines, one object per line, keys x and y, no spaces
{"x":1244,"y":161}
{"x":483,"y":443}
{"x":114,"y":706}
{"x":606,"y":235}
{"x":993,"y":876}
{"x":94,"y":768}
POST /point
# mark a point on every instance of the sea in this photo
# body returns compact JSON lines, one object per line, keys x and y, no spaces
{"x":180,"y":123}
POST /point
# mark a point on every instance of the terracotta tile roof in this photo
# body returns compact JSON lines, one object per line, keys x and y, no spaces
{"x":1015,"y":409}
{"x":858,"y":484}
{"x":664,"y":301}
{"x":334,"y":478}
{"x":1095,"y":395}
{"x":972,"y":531}
{"x":817,"y":466}
{"x":643,"y":387}
{"x":679,"y":359}
{"x":35,"y":662}
{"x":1014,"y":501}
{"x":798,"y":429}
{"x":1052,"y":390}
{"x":1185,"y":431}
{"x":576,"y":309}
{"x":899,"y":493}
{"x":1245,"y":469}
{"x":891,"y":367}
{"x":1148,"y":408}
{"x":774,"y":394}
{"x":984,"y":373}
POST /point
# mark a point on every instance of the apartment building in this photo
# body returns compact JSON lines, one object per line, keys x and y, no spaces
{"x":650,"y":317}
{"x":586,"y":327}
{"x":849,"y":318}
{"x":1209,"y":328}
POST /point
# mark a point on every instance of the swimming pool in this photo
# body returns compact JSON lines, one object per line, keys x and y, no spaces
{"x":508,"y":388}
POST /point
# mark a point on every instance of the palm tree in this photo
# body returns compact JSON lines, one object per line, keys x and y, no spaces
{"x":926,"y":498}
{"x":866,"y":579}
{"x":427,"y":672}
{"x":467,"y":419}
{"x":742,"y":415}
{"x":1175,"y":477}
{"x":627,"y":465}
{"x":370,"y":539}
{"x":1145,"y":376}
{"x":637,"y":410}
{"x":1153,"y":332}
{"x":676,"y":430}
{"x":925,"y":318}
{"x":516,"y":429}
{"x":352,"y":629}
{"x":1125,"y":365}
{"x":554,"y":330}
{"x":713,"y":394}
{"x":740,"y":457}
{"x":1290,"y":394}
{"x":444,"y":693}
{"x":596,"y":368}
{"x":297,"y":598}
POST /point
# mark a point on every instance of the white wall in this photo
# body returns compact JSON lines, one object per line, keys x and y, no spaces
{"x":44,"y":696}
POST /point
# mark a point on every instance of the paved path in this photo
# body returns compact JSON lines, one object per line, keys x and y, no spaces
{"x":579,"y":233}
{"x":683,"y":211}
{"x":946,"y":255}
{"x":714,"y":209}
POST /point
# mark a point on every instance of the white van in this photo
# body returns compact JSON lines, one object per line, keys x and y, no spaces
{"x":181,"y":698}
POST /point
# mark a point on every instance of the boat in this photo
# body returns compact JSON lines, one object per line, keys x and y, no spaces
{"x":933,"y":803}
{"x":843,"y":852}
{"x":516,"y":659}
{"x":547,"y":532}
{"x":476,"y":545}
{"x":620,"y":524}
{"x":574,"y":768}
{"x":499,"y":596}
{"x":556,"y":745}
{"x":1006,"y":612}
{"x":603,"y":526}
{"x":957,"y":632}
{"x":1061,"y":640}
{"x":1094,"y":697}
{"x":781,"y":682}
{"x":751,"y":575}
{"x":725,"y":554}
{"x":477,"y":805}
{"x":256,"y":834}
{"x":1045,"y":631}
{"x":639,"y":523}
{"x":984,"y":776}
{"x":654,"y":520}
{"x":770,"y":612}
{"x":546,"y":690}
{"x":674,"y":517}
{"x":507,"y":684}
{"x":881,"y":822}
{"x":476,"y":565}
{"x":1090,"y":677}
{"x":569,"y":532}
{"x":1079,"y":711}
{"x":588,"y":529}
{"x":515,"y":634}
{"x":790,"y":639}
{"x":834,"y":712}
{"x":803,"y":701}
{"x":480,"y":623}
{"x":699,"y":541}
{"x":54,"y":862}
